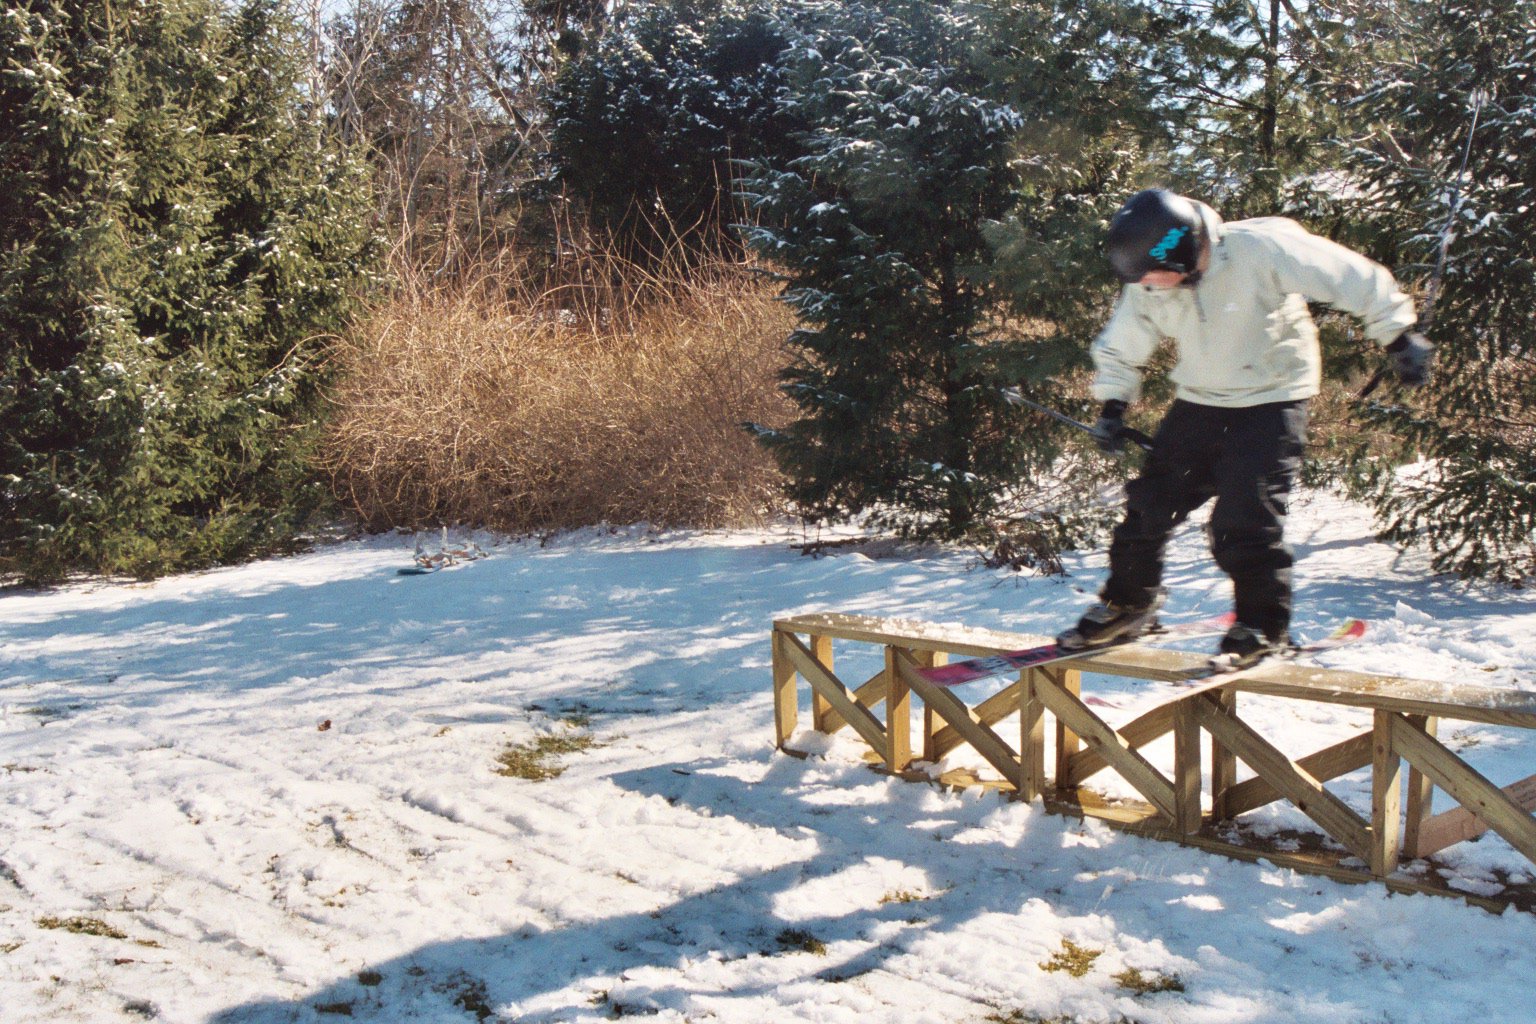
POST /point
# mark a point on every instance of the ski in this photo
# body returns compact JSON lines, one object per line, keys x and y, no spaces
{"x":1346,"y":632}
{"x":972,"y":669}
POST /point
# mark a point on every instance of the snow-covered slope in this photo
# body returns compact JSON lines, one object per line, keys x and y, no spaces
{"x":270,"y":793}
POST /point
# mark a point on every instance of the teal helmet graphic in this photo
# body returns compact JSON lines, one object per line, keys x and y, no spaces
{"x":1154,"y":230}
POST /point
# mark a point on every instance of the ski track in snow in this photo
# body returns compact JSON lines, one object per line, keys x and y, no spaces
{"x":270,"y":793}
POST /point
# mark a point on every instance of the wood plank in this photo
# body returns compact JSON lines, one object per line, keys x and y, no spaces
{"x":1467,"y":786}
{"x":1223,"y":762}
{"x":1186,"y":769}
{"x":1386,"y":797}
{"x":910,"y":634}
{"x":1149,"y":726}
{"x":1031,"y":736}
{"x":1067,"y":741}
{"x":1458,"y":701}
{"x":1134,"y":768}
{"x":1459,"y":824}
{"x":821,"y":708}
{"x":870,"y":693}
{"x":1326,"y":764}
{"x":786,"y":698}
{"x":898,"y":716}
{"x":829,"y":686}
{"x":1142,"y":820}
{"x":950,"y":708}
{"x":1421,"y":795}
{"x":1299,"y":787}
{"x":989,"y":712}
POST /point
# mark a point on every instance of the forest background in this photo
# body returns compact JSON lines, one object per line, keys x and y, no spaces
{"x":268,"y":266}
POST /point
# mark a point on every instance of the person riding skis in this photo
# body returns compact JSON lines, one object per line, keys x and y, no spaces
{"x":1233,"y":298}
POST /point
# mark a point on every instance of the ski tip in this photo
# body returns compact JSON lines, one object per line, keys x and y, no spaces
{"x":1349,"y":629}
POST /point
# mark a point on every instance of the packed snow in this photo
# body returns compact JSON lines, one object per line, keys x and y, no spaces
{"x":271,"y":793}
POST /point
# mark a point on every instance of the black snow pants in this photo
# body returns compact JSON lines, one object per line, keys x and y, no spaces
{"x":1247,"y":459}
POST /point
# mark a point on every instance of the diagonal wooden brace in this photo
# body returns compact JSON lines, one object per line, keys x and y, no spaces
{"x":1292,"y":781}
{"x":823,"y":682}
{"x":1494,"y":807}
{"x":1110,"y":745}
{"x":959,"y":717}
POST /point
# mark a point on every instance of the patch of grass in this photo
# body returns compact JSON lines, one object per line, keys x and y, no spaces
{"x":1074,"y":959}
{"x":334,"y":1009}
{"x":81,"y":926}
{"x":9,"y":947}
{"x":802,"y":940}
{"x":370,"y":979}
{"x":902,"y":896}
{"x":533,"y":761}
{"x":90,"y":926}
{"x":1147,"y":984}
{"x":470,"y":995}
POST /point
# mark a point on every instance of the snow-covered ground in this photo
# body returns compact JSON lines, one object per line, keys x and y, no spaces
{"x":270,"y":793}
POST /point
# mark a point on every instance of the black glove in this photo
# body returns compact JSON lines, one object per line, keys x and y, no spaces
{"x":1106,"y":432}
{"x":1411,"y":353}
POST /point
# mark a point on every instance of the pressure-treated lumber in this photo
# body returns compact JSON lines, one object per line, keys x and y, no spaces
{"x":1298,"y":786}
{"x":1466,"y":785}
{"x":1459,"y":824}
{"x":1136,"y":769}
{"x":823,"y":682}
{"x":1401,"y":745}
{"x":949,"y":707}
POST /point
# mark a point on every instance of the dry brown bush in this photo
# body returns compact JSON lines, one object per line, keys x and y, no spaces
{"x":519,"y":407}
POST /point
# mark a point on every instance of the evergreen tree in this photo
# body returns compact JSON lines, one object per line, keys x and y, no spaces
{"x":645,"y":122}
{"x":880,"y":230}
{"x":1475,"y":507}
{"x":179,"y":234}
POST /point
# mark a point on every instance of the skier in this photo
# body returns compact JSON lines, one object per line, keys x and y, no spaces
{"x":1233,"y":298}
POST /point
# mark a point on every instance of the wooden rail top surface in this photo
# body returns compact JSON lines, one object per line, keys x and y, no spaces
{"x":1458,"y":701}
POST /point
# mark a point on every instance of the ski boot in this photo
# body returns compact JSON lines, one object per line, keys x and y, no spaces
{"x":1110,"y":623}
{"x":1243,"y":647}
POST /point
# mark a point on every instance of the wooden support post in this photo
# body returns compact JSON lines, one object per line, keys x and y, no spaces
{"x":786,"y":711}
{"x":898,"y":715}
{"x":1386,"y":797}
{"x":1067,"y":741}
{"x":1186,"y":768}
{"x":1421,"y":795}
{"x":821,"y":650}
{"x":1223,"y":761}
{"x":1031,"y":736}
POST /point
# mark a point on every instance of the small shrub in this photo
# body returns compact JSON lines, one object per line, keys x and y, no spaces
{"x":519,"y":404}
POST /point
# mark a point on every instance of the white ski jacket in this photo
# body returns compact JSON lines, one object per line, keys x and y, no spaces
{"x":1243,"y":333}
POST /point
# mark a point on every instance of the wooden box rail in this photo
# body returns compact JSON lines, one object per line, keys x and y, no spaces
{"x":1405,"y":717}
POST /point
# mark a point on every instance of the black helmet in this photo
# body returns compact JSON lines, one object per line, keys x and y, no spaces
{"x":1155,"y":230}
